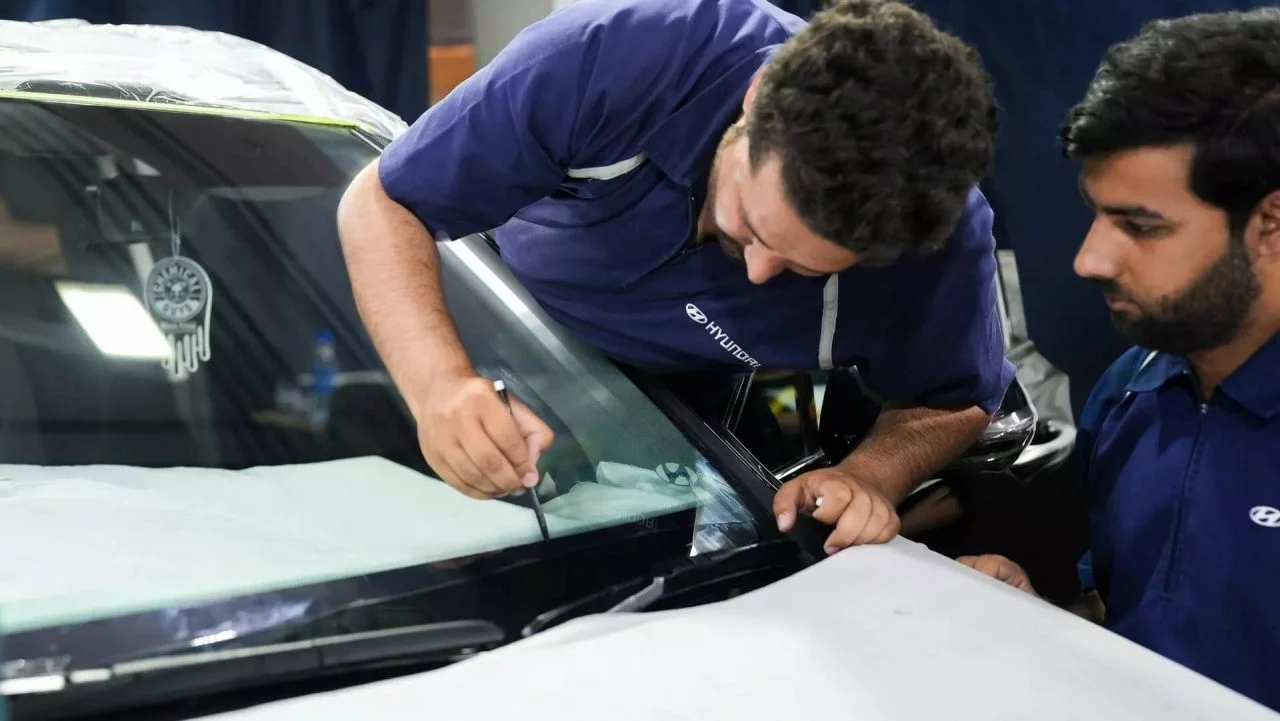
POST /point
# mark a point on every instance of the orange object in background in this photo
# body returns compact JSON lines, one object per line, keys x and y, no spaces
{"x":451,"y":50}
{"x":449,"y":65}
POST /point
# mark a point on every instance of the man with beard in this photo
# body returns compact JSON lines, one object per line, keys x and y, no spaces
{"x":706,"y":188}
{"x":1179,"y":138}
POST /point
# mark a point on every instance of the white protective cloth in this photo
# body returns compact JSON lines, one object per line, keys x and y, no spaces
{"x":876,"y":633}
{"x":171,"y":64}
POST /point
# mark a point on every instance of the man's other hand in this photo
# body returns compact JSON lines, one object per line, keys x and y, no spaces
{"x":475,"y":444}
{"x":1001,"y":569}
{"x":860,"y":512}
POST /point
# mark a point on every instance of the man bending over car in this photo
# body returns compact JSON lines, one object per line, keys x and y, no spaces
{"x":706,"y":187}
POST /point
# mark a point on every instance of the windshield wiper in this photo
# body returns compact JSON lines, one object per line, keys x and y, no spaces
{"x":181,"y":677}
{"x":689,"y":582}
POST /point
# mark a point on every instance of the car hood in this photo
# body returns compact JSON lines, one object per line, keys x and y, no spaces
{"x":887,"y":633}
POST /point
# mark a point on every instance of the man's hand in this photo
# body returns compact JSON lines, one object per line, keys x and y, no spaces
{"x":860,"y":496}
{"x":466,"y":433}
{"x":1001,"y":569}
{"x":861,"y":513}
{"x":475,"y":444}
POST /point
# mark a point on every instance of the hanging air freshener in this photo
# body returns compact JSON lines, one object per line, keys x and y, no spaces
{"x":180,"y":298}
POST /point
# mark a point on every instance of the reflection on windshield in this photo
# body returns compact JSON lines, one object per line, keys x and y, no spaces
{"x":190,"y":408}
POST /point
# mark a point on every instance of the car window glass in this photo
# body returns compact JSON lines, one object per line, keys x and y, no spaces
{"x":776,"y":415}
{"x":172,"y":290}
{"x":781,"y":417}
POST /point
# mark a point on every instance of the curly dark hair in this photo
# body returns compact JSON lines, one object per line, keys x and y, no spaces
{"x":883,"y":123}
{"x":1211,"y":80}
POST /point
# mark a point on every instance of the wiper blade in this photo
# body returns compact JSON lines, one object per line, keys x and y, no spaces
{"x":689,"y":581}
{"x":642,"y":599}
{"x":163,"y":679}
{"x":344,"y":650}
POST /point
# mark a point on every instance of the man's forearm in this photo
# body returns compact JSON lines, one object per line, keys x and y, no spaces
{"x":908,"y":445}
{"x":395,"y":276}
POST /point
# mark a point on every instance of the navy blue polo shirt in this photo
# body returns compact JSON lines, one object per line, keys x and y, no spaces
{"x":1184,"y":500}
{"x":585,"y":148}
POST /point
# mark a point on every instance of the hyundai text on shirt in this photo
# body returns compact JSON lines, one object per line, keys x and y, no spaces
{"x":585,"y":147}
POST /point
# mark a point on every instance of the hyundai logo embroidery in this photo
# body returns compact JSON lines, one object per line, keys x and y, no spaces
{"x":719,"y":335}
{"x":1265,"y":516}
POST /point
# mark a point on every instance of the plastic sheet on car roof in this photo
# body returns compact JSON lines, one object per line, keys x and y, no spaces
{"x":170,"y":64}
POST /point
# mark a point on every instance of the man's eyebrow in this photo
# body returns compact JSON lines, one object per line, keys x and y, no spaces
{"x":1135,"y":211}
{"x":747,"y":222}
{"x":1138,"y":212}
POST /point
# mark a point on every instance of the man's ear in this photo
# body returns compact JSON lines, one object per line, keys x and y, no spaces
{"x":1268,"y":218}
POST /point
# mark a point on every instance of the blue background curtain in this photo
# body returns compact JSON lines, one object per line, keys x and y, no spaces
{"x":376,"y":48}
{"x":803,"y":8}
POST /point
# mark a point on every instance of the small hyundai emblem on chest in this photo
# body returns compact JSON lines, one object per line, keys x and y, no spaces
{"x":695,"y":314}
{"x":1265,"y":516}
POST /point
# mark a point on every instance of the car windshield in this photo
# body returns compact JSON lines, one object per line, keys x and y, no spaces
{"x":190,"y":408}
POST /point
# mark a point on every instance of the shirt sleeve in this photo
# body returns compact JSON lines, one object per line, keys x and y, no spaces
{"x":941,"y":337}
{"x":499,"y":141}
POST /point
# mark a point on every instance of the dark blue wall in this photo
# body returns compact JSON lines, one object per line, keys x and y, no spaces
{"x":803,"y":8}
{"x":376,"y":48}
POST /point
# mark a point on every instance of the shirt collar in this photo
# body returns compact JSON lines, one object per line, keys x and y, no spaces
{"x":684,"y":144}
{"x":1255,"y":385}
{"x":1157,"y":370}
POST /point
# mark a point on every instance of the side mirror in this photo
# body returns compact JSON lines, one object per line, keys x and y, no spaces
{"x":1010,"y":431}
{"x":849,"y":412}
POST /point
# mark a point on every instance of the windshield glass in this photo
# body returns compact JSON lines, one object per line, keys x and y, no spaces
{"x":190,"y":408}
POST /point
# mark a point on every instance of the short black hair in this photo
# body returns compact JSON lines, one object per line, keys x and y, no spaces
{"x":1211,"y":80}
{"x":883,"y":123}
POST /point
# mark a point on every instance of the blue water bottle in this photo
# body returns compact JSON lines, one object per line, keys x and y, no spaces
{"x":324,"y":376}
